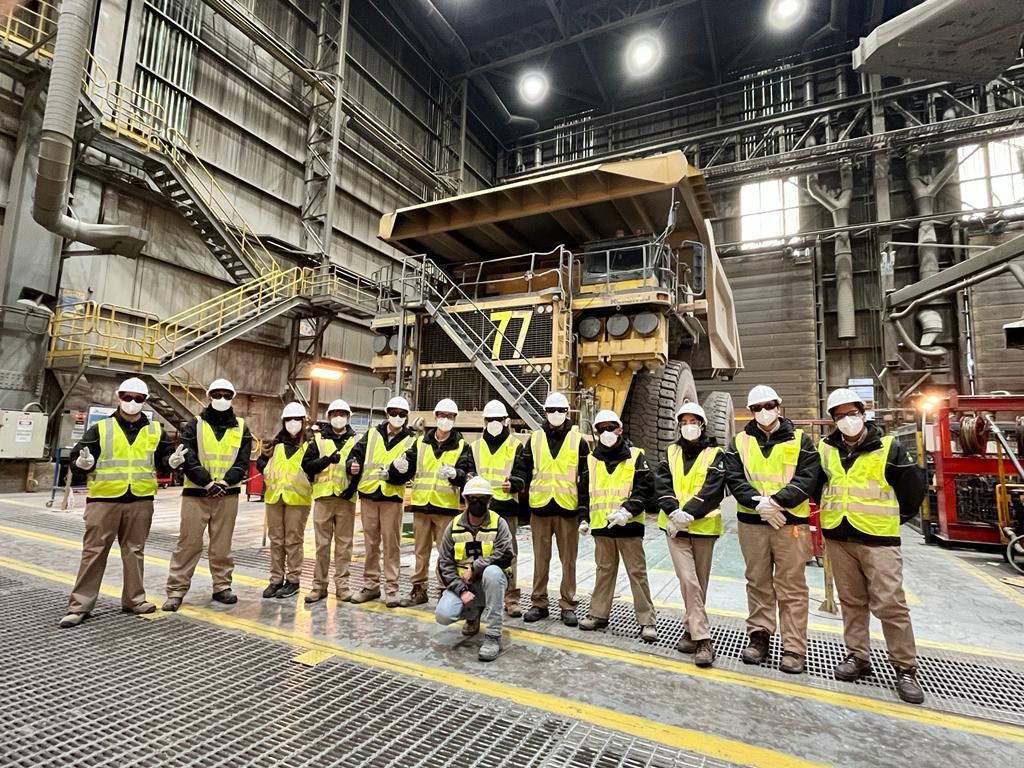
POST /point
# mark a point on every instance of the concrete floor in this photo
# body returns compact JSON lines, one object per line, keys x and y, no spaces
{"x":964,"y":616}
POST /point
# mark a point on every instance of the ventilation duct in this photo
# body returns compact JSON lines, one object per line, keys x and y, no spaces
{"x":838,"y":204}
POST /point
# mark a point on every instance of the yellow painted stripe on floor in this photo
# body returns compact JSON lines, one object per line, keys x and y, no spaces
{"x":1003,"y":589}
{"x":712,"y":746}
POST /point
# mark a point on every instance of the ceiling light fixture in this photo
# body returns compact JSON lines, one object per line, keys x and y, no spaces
{"x":533,"y":87}
{"x":643,"y":55}
{"x":785,"y":13}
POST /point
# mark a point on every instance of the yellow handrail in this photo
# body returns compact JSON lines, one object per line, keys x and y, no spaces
{"x":29,"y":27}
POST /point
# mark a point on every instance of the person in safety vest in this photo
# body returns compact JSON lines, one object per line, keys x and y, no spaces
{"x":438,"y":463}
{"x":869,"y":485}
{"x":554,"y":468}
{"x":473,"y":559}
{"x":495,"y":454}
{"x":217,"y":449}
{"x":121,"y":454}
{"x":690,"y":485}
{"x":381,"y":499}
{"x":287,"y":494}
{"x":621,"y":485}
{"x":772,"y":468}
{"x":334,"y":512}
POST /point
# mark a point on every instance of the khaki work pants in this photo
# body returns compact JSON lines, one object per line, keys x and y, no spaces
{"x":197,"y":514}
{"x":607,"y":553}
{"x":512,"y":592}
{"x":129,"y":522}
{"x":382,"y":527}
{"x":566,"y":533}
{"x":869,"y":580}
{"x":775,"y":562}
{"x":691,"y":559}
{"x":286,"y":527}
{"x":334,"y":520}
{"x":427,"y":531}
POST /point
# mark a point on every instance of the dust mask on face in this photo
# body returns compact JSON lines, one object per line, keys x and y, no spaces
{"x":445,"y":425}
{"x":131,"y":408}
{"x":339,"y":422}
{"x":556,"y":419}
{"x":220,"y":404}
{"x":396,"y":421}
{"x":494,"y":428}
{"x":767,"y":418}
{"x":851,"y":426}
{"x":608,"y":439}
{"x":690,"y":431}
{"x":293,"y":426}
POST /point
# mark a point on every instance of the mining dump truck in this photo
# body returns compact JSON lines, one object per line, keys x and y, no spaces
{"x":601,"y":282}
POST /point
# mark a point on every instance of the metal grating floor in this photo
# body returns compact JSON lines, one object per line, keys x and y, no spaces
{"x":122,"y":692}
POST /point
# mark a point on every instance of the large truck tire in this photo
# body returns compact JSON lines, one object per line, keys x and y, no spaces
{"x":650,"y":418}
{"x":721,"y":422}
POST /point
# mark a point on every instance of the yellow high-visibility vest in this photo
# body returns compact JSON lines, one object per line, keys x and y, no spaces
{"x":215,"y":455}
{"x":485,"y":537}
{"x":335,"y":478}
{"x":379,"y":457}
{"x":495,"y":467}
{"x":428,"y":488}
{"x":554,"y":477}
{"x":609,"y":490}
{"x":686,"y":485}
{"x":122,"y":466}
{"x":861,"y":494}
{"x":284,"y":478}
{"x":771,"y":474}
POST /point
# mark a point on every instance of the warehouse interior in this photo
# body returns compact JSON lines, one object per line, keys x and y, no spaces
{"x":245,"y":190}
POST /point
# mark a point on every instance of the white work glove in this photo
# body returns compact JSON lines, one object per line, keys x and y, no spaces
{"x":764,"y":505}
{"x":619,"y":517}
{"x":447,"y":472}
{"x":177,"y":458}
{"x":770,"y":512}
{"x":85,"y":460}
{"x":584,"y":528}
{"x":401,"y":464}
{"x":681,"y":519}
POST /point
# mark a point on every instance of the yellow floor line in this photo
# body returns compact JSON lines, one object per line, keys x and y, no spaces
{"x":1004,"y":589}
{"x":712,"y":746}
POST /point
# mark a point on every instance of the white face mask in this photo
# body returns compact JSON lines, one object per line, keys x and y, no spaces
{"x":690,"y":431}
{"x":131,"y":408}
{"x":494,"y":428}
{"x":445,"y":425}
{"x":396,"y":421}
{"x":767,"y":418}
{"x":339,"y":422}
{"x":557,"y":419}
{"x":851,"y":426}
{"x":293,"y":427}
{"x":608,"y":439}
{"x":220,"y":404}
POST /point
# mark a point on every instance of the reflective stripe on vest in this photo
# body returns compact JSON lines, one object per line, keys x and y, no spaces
{"x":378,"y":457}
{"x":429,"y":488}
{"x":217,"y":456}
{"x":772,"y":474}
{"x":495,"y":467}
{"x":122,"y":466}
{"x":686,"y":486}
{"x":484,"y":536}
{"x":861,"y":494}
{"x":284,"y":478}
{"x":554,"y":478}
{"x":335,"y":478}
{"x":610,"y":490}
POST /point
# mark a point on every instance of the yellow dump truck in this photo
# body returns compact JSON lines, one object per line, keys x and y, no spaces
{"x":601,"y":282}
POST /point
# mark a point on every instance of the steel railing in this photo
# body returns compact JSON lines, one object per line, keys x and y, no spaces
{"x":34,"y":28}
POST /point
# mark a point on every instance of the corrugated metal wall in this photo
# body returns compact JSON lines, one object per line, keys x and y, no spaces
{"x":994,"y":303}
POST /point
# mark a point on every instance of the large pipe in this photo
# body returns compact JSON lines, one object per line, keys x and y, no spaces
{"x":57,"y":140}
{"x":838,"y":204}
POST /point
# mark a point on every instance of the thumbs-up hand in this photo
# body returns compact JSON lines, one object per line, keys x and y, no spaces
{"x":401,"y":464}
{"x":178,"y":457}
{"x":85,"y":460}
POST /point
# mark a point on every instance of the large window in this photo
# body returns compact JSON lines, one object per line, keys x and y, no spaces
{"x":769,"y":211}
{"x":990,"y":175}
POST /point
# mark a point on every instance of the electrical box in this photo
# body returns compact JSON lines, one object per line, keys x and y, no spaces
{"x":22,"y":434}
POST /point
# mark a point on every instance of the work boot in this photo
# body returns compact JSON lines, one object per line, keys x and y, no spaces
{"x":271,"y":589}
{"x":649,"y":633}
{"x":392,"y":601}
{"x":139,"y":609}
{"x":471,"y":627}
{"x":288,"y":589}
{"x":171,"y":604}
{"x":72,"y":620}
{"x":343,"y":595}
{"x":792,"y":663}
{"x":569,"y":618}
{"x":315,"y":596}
{"x":757,"y":648}
{"x":851,"y":669}
{"x":366,"y":594}
{"x":490,"y":648}
{"x":418,"y":596}
{"x":513,"y":610}
{"x":907,"y":687}
{"x":535,"y":614}
{"x":590,"y":623}
{"x":704,"y":656}
{"x":227,"y":597}
{"x":686,"y":643}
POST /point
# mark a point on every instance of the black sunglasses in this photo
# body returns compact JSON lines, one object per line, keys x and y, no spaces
{"x":396,"y":412}
{"x":222,"y":395}
{"x":605,"y":428}
{"x":763,"y":407}
{"x":127,"y":398}
{"x":556,"y":410}
{"x":489,"y":419}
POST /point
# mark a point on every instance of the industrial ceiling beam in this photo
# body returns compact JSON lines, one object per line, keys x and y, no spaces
{"x":556,"y":14}
{"x":712,"y":50}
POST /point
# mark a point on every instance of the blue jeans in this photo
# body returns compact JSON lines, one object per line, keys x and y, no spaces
{"x":489,"y":599}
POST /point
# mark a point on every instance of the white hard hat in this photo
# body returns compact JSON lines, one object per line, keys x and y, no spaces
{"x":293,"y":410}
{"x":477,"y":486}
{"x":398,"y":402}
{"x":556,"y":400}
{"x":220,"y":384}
{"x":447,"y":405}
{"x":762,"y":393}
{"x":495,"y":409}
{"x":339,"y":405}
{"x":694,"y":409}
{"x":843,"y":396}
{"x":135,"y":386}
{"x":605,"y":416}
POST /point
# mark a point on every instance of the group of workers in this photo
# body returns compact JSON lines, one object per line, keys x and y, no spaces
{"x":465,"y":500}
